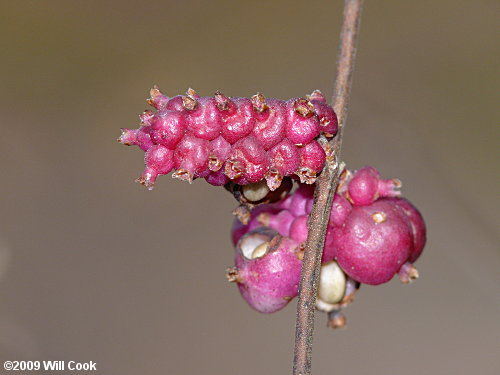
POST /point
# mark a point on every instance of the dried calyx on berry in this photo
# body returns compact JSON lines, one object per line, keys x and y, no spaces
{"x":239,"y":140}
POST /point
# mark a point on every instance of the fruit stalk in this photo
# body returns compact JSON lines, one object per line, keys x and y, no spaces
{"x":324,"y":193}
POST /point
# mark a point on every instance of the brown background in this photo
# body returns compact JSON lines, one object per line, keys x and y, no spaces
{"x":95,"y":267}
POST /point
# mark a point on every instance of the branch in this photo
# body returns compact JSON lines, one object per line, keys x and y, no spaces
{"x":325,"y":189}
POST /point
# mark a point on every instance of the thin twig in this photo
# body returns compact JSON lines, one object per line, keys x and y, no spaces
{"x":325,"y":189}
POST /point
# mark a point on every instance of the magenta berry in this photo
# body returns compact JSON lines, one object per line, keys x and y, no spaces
{"x":168,"y":129}
{"x":238,"y":122}
{"x":417,"y":225}
{"x":312,"y":160}
{"x":374,"y":242}
{"x":285,"y":160}
{"x":157,"y":99}
{"x":191,"y":157}
{"x":303,"y":124}
{"x":159,"y":160}
{"x":137,"y":137}
{"x":270,"y":124}
{"x":366,"y":186}
{"x":247,"y":160}
{"x":280,"y":222}
{"x":327,"y":118}
{"x":298,"y":229}
{"x":341,"y":208}
{"x":219,"y":150}
{"x":267,"y":270}
{"x":204,"y":120}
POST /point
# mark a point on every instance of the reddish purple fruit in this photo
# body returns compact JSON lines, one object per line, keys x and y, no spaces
{"x":373,"y":243}
{"x":267,"y":270}
{"x":366,"y":186}
{"x":252,"y":139}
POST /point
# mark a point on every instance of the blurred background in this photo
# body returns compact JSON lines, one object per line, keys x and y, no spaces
{"x":95,"y":267}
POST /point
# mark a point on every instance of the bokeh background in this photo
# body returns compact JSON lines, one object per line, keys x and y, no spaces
{"x":95,"y":267}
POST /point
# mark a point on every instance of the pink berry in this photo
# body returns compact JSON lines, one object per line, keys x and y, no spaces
{"x":298,"y":229}
{"x":219,"y":151}
{"x":366,"y":186}
{"x":247,"y":162}
{"x":300,"y":199}
{"x":159,"y":161}
{"x":267,"y":270}
{"x":341,"y":208}
{"x":269,"y":128}
{"x":137,"y":137}
{"x":204,"y":120}
{"x":303,"y":124}
{"x":280,"y":222}
{"x":190,"y":157}
{"x":285,"y":160}
{"x":217,"y":178}
{"x":157,"y":99}
{"x":175,"y":104}
{"x":169,"y":128}
{"x":312,"y":160}
{"x":374,"y":242}
{"x":327,"y":118}
{"x":237,"y":124}
{"x":417,"y":225}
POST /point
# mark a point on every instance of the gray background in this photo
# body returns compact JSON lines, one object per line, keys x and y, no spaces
{"x":95,"y":267}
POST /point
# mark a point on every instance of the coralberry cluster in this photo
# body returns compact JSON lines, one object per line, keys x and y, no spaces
{"x":257,"y":148}
{"x":372,"y":235}
{"x":225,"y":139}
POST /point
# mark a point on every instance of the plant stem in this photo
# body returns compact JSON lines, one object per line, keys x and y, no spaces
{"x":325,"y":189}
